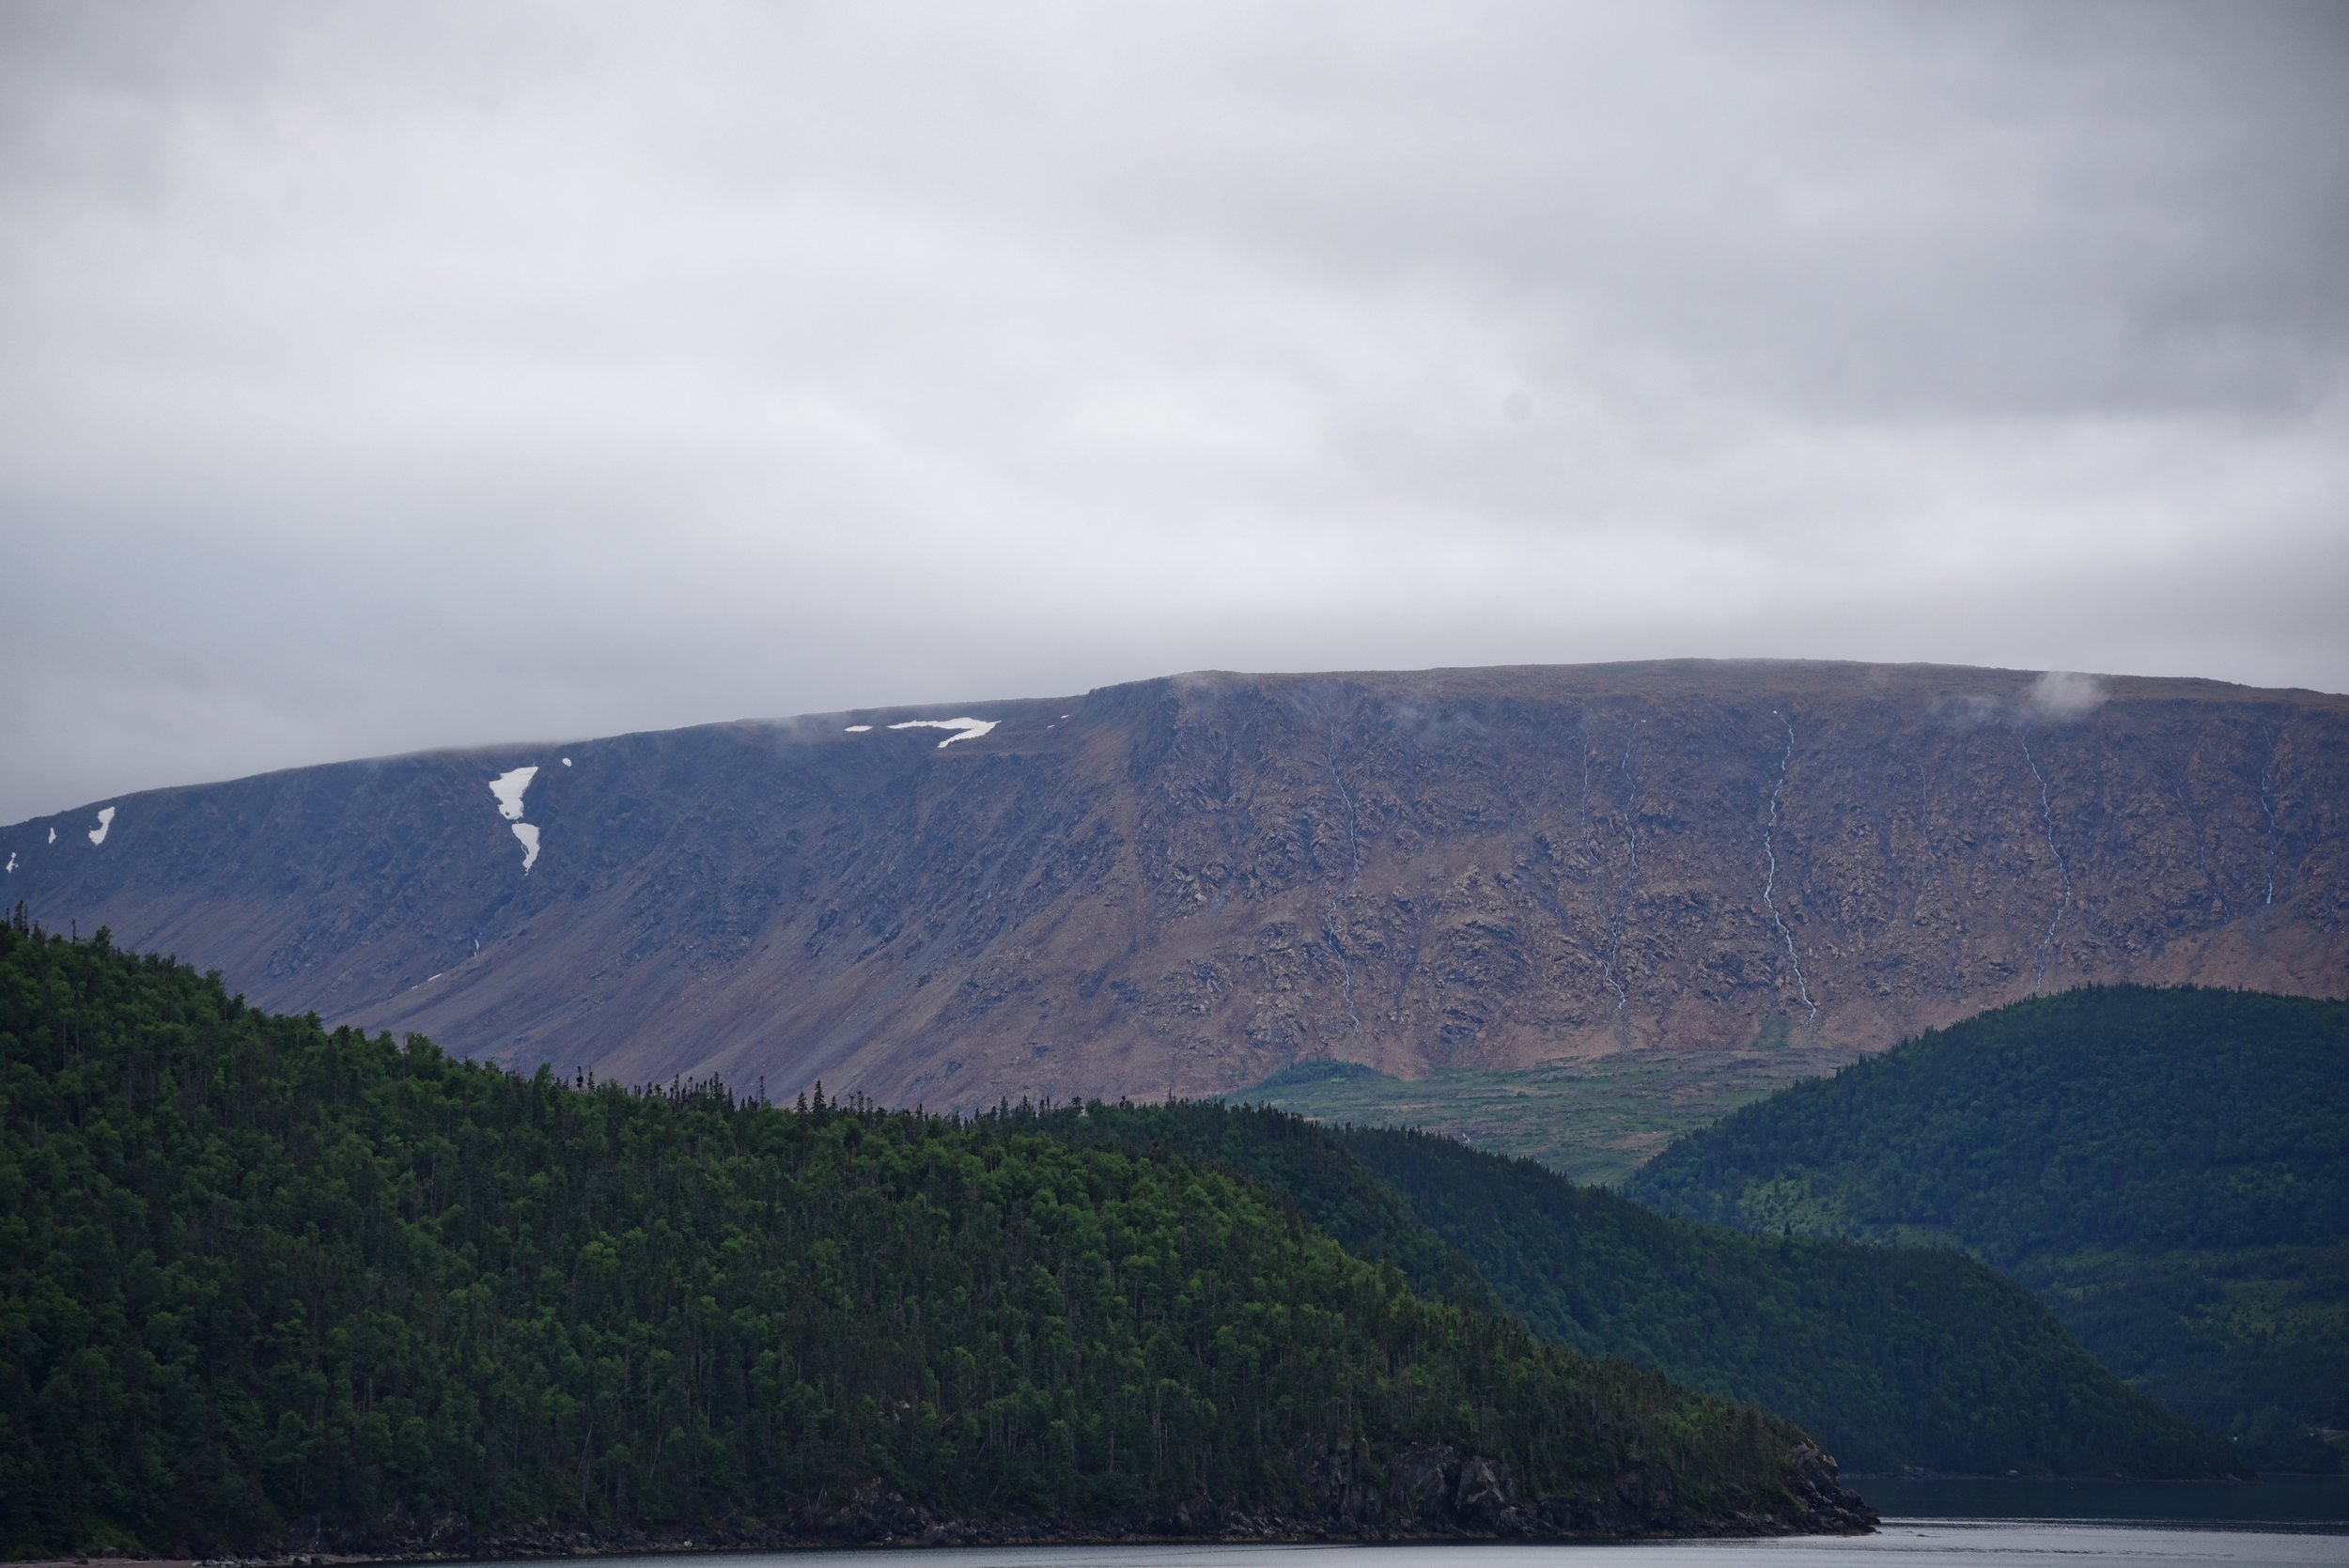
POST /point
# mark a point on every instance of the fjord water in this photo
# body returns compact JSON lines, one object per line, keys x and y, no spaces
{"x":1902,"y":1543}
{"x":2299,"y":1501}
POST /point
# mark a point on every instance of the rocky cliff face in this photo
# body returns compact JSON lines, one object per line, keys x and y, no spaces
{"x":1183,"y":885}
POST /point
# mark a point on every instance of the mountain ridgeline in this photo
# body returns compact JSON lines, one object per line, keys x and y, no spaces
{"x":2169,"y":1169}
{"x":1182,"y":886}
{"x":263,"y":1285}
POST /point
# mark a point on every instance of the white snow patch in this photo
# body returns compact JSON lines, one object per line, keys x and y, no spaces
{"x":567,"y":762}
{"x":53,"y":835}
{"x":11,"y":861}
{"x":965,"y":729}
{"x":509,"y":788}
{"x":105,"y":825}
{"x":859,"y":729}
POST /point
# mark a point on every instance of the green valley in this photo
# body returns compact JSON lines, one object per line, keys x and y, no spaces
{"x":1594,"y":1119}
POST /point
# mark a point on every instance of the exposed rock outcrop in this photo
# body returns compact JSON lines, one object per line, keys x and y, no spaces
{"x":1343,"y":1494}
{"x":1183,"y":885}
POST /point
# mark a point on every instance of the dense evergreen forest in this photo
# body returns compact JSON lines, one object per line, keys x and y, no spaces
{"x":2168,"y":1168}
{"x":255,"y":1273}
{"x":1896,"y":1356}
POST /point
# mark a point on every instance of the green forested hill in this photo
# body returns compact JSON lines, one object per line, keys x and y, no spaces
{"x":253,"y":1272}
{"x":2168,"y":1168}
{"x":1307,"y":1163}
{"x":1894,"y":1355}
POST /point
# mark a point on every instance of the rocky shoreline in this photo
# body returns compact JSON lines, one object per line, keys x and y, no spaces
{"x":1430,"y":1494}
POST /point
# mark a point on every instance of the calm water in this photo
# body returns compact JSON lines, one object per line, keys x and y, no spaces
{"x":1902,"y":1543}
{"x":2282,"y":1499}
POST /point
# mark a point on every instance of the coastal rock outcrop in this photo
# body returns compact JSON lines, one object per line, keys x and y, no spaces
{"x":1345,"y":1493}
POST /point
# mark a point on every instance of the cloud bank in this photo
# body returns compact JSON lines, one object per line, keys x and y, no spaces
{"x":380,"y":376}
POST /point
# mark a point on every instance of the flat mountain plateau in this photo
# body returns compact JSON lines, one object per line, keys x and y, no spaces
{"x":1186,"y":885}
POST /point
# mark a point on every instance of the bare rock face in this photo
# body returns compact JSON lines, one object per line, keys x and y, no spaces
{"x":1183,"y":885}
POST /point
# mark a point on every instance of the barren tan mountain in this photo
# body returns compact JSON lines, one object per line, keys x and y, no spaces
{"x":1185,"y":884}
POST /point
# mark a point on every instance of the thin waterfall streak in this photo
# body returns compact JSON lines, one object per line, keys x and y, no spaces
{"x":1582,"y":822}
{"x":2047,"y":819}
{"x":1329,"y":911}
{"x":2267,"y":804}
{"x":2202,"y":850}
{"x":1769,"y":878}
{"x":1631,"y":876}
{"x":1582,"y":832}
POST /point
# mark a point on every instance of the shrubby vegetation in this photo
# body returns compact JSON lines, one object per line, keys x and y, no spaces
{"x":252,"y":1270}
{"x":2168,"y":1168}
{"x":1894,"y":1355}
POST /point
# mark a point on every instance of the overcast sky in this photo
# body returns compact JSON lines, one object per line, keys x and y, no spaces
{"x":382,"y":377}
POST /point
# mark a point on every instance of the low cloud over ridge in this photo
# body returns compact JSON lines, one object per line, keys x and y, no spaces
{"x":2064,"y":694}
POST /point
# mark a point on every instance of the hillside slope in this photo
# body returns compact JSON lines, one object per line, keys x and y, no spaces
{"x":2169,"y":1169}
{"x":261,"y":1285}
{"x":1896,"y":1356}
{"x":1183,"y":885}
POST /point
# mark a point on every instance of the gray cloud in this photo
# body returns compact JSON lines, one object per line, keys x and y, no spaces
{"x":380,"y":377}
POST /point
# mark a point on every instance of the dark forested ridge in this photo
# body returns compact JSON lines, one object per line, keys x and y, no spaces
{"x":1902,"y":1355}
{"x":263,"y":1283}
{"x":1305,"y":1162}
{"x":2169,"y":1169}
{"x":1896,"y":1356}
